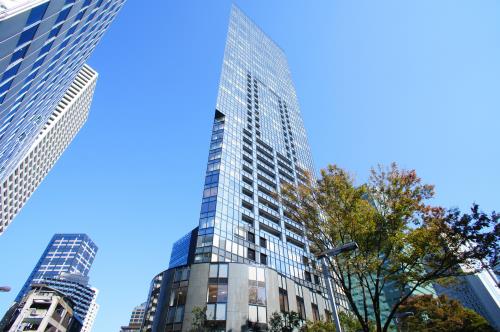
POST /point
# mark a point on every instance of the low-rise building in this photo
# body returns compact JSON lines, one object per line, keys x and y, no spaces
{"x":44,"y":309}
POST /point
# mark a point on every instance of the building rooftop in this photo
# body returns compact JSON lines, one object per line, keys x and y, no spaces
{"x":11,"y":7}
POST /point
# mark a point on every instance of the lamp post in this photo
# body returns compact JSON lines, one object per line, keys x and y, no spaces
{"x":328,"y":277}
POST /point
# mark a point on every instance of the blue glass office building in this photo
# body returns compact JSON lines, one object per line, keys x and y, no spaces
{"x":65,"y":254}
{"x":43,"y":45}
{"x":251,"y":258}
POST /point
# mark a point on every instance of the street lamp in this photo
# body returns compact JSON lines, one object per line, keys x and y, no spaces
{"x":4,"y":289}
{"x":328,"y":277}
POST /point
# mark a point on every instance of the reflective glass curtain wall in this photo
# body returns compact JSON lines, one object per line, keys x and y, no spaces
{"x":258,"y":143}
{"x":65,"y":253}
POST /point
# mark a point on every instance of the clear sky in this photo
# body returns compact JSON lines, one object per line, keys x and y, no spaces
{"x":416,"y":82}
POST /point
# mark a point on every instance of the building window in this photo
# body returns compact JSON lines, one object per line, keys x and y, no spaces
{"x":315,"y":311}
{"x":328,"y":316}
{"x":283,"y":294}
{"x":251,"y":237}
{"x":263,"y":259}
{"x":263,"y":242}
{"x":177,"y":300}
{"x":301,"y":308}
{"x":256,"y":286}
{"x":216,"y":312}
{"x":251,"y":254}
{"x":257,"y":295}
{"x":217,"y":292}
{"x":257,"y":314}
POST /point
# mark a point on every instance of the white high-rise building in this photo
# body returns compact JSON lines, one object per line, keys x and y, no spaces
{"x":60,"y":129}
{"x":43,"y":45}
{"x":88,"y":323}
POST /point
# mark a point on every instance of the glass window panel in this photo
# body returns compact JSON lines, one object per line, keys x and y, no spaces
{"x":185,"y":274}
{"x":37,"y":13}
{"x":221,"y":311}
{"x":252,"y":313}
{"x":212,"y":294}
{"x":222,"y":293}
{"x":181,"y":298}
{"x":252,"y":273}
{"x":261,"y":295}
{"x":170,"y":315}
{"x":223,"y":270}
{"x":212,"y":272}
{"x":210,"y":311}
{"x":260,"y":275}
{"x":179,"y":314}
{"x":172,"y":298}
{"x":252,"y":294}
{"x":262,"y":314}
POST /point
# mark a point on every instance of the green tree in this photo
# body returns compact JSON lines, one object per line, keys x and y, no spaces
{"x":431,"y":314}
{"x":199,"y":319}
{"x":349,"y":322}
{"x":284,"y":321}
{"x":403,"y":241}
{"x":319,"y":326}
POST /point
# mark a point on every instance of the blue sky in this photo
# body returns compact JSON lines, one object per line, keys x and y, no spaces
{"x":416,"y":82}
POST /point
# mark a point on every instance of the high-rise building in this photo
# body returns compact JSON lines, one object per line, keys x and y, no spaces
{"x":43,"y":45}
{"x":55,"y":136}
{"x":89,"y":320}
{"x":136,"y":319}
{"x":251,"y":257}
{"x":65,"y":254}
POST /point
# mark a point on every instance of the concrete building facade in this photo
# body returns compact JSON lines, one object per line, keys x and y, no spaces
{"x":43,"y":45}
{"x":44,"y":309}
{"x":60,"y":129}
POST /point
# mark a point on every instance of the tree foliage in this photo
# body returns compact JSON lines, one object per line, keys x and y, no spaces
{"x":431,"y":314}
{"x":349,"y":322}
{"x":403,"y":240}
{"x":319,"y":326}
{"x":199,"y":319}
{"x":284,"y":321}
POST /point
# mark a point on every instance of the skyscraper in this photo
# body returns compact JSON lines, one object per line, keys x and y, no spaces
{"x":89,"y":321}
{"x":43,"y":45}
{"x":58,"y":132}
{"x":251,"y":258}
{"x":65,"y":254}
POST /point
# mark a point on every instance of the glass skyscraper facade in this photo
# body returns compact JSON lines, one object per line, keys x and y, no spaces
{"x":43,"y":45}
{"x":251,"y":257}
{"x":65,"y":254}
{"x":258,"y":143}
